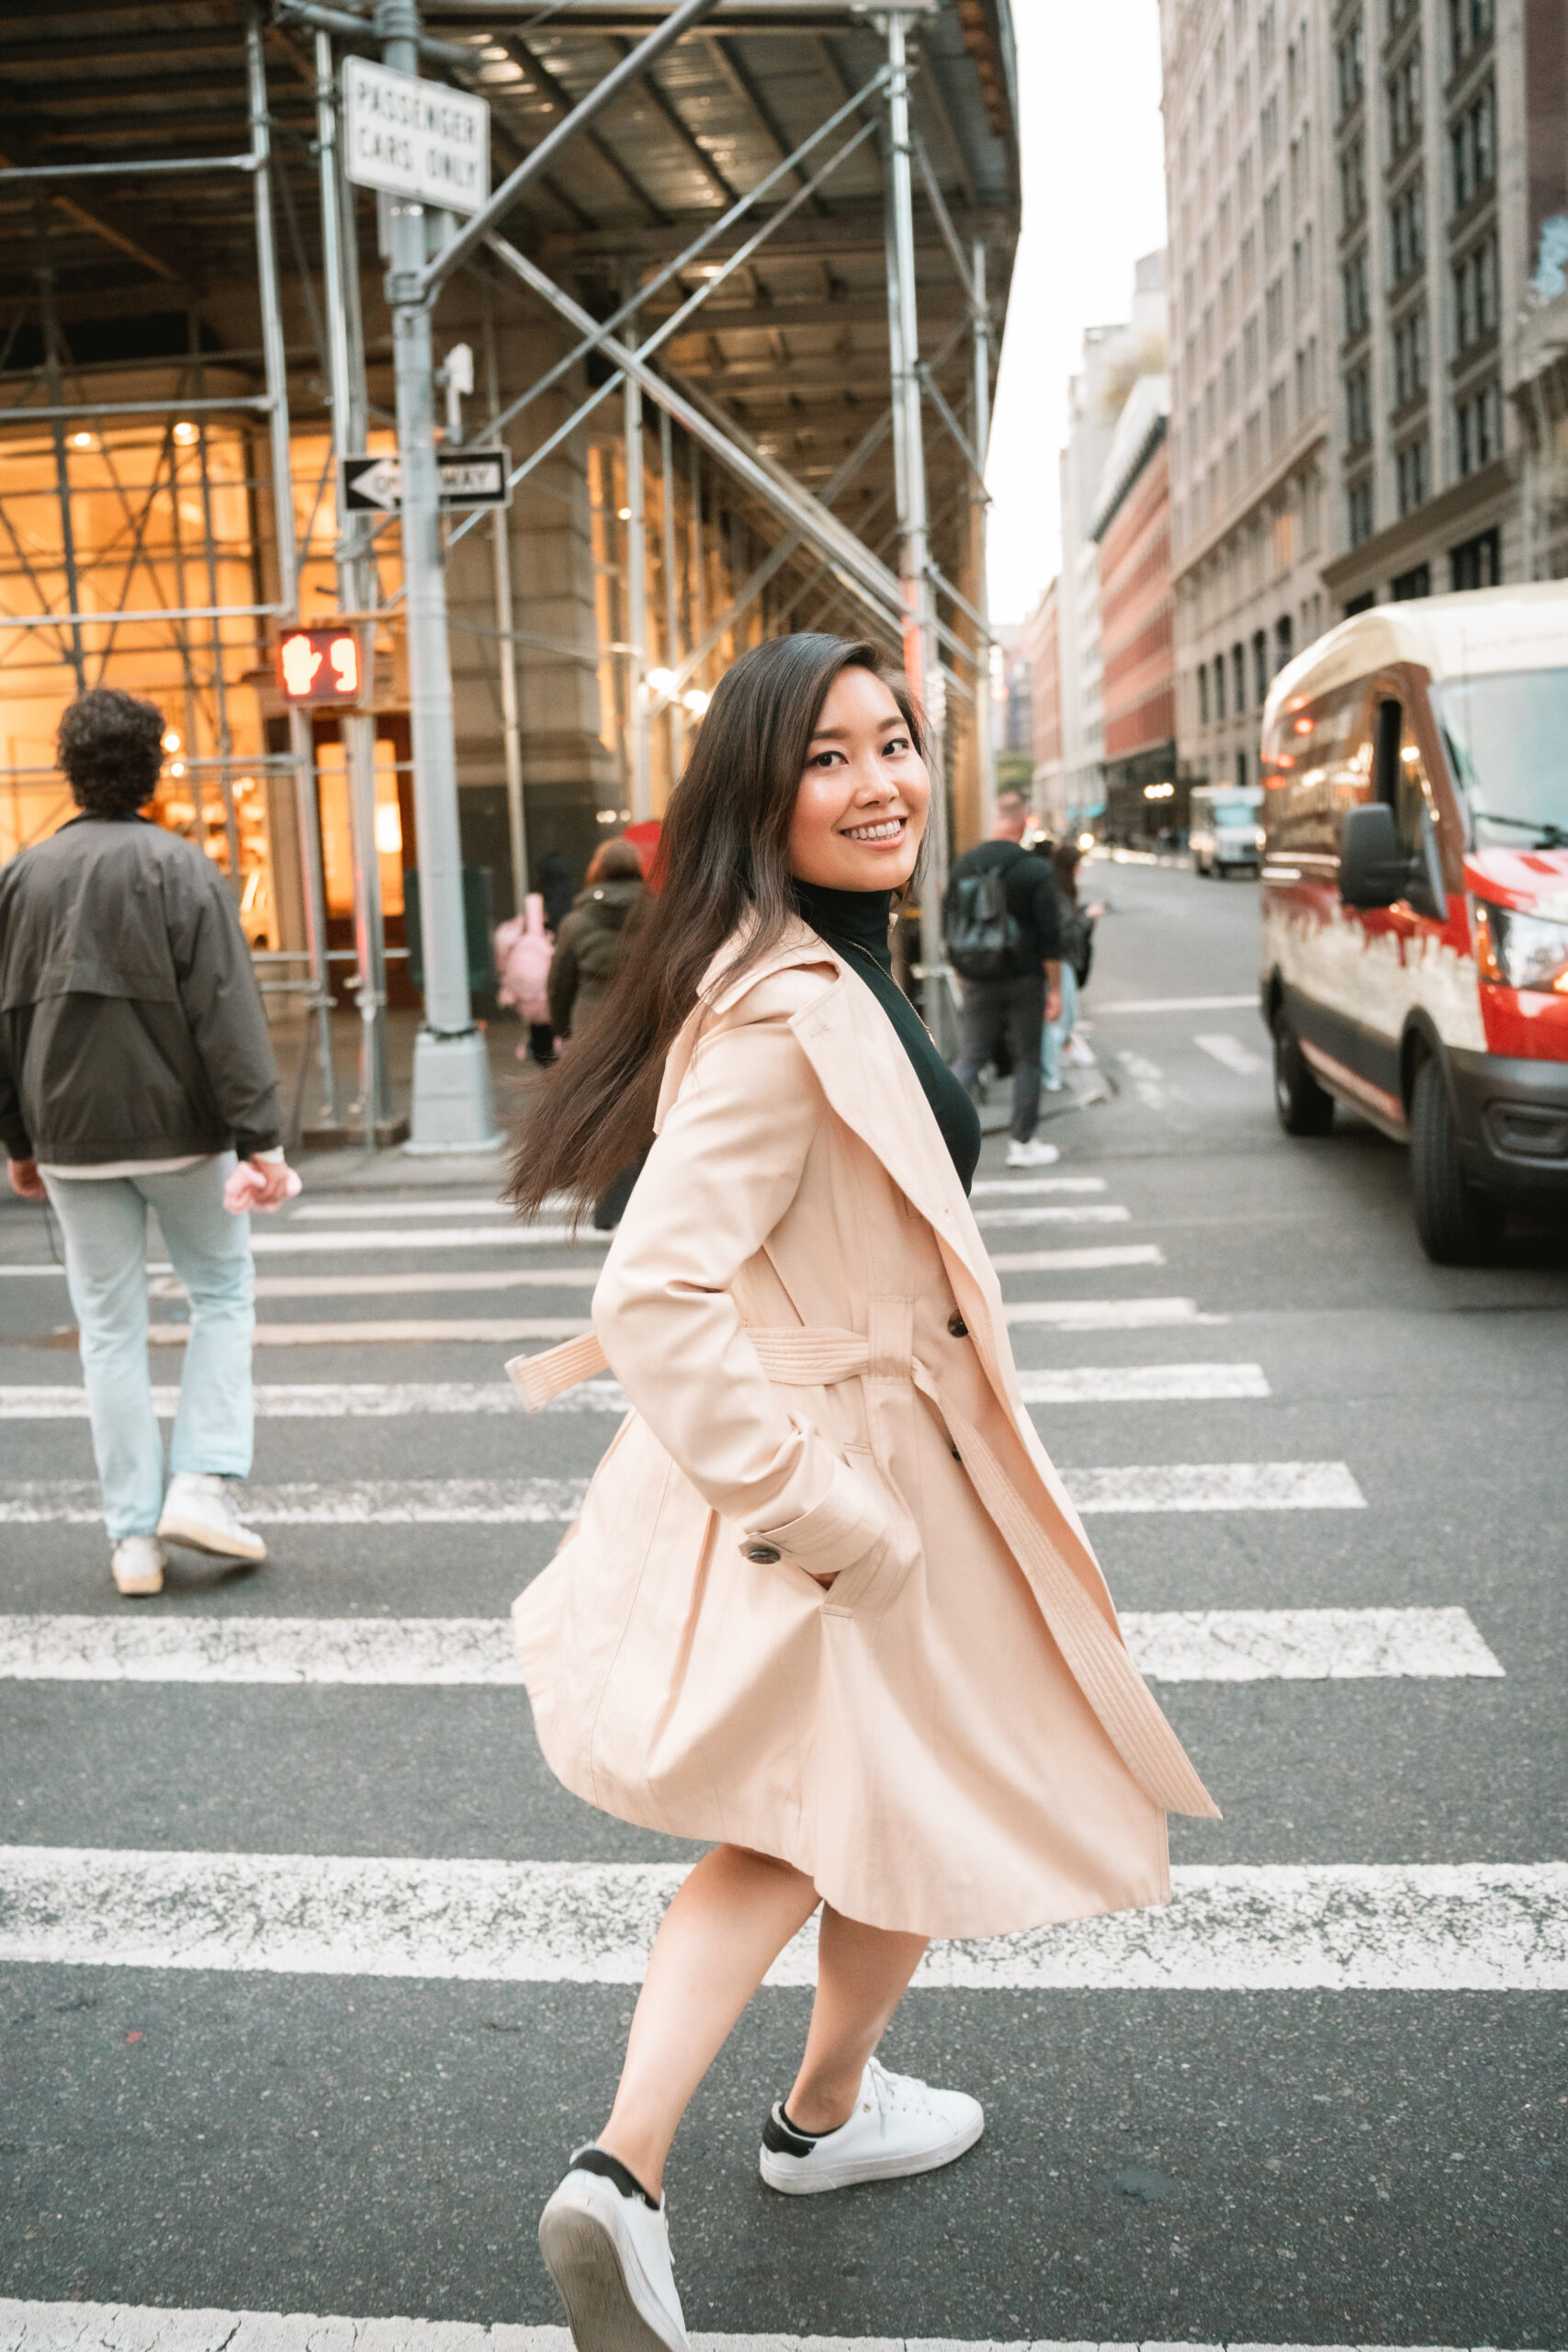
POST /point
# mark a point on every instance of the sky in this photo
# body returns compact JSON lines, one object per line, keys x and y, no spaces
{"x":1093,"y":200}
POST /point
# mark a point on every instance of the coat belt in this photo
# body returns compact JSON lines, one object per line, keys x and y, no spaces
{"x":1090,"y":1645}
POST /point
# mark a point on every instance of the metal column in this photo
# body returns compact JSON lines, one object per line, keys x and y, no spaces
{"x":276,"y":374}
{"x":451,"y":1109}
{"x":507,"y":648}
{"x":921,"y":649}
{"x":49,"y":318}
{"x":676,"y":731}
{"x":357,"y":727}
{"x":635,"y":545}
{"x":985,"y":754}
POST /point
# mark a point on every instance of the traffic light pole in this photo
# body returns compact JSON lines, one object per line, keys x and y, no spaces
{"x":451,"y":1109}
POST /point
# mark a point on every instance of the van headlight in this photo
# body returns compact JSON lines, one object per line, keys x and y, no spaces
{"x":1516,"y":951}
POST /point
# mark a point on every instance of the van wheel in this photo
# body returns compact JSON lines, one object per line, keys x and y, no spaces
{"x":1303,"y":1108}
{"x":1456,"y":1223}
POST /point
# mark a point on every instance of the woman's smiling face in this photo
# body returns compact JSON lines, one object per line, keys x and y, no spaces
{"x":861,"y":810}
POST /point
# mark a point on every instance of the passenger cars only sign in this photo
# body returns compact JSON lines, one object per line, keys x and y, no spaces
{"x":415,"y":139}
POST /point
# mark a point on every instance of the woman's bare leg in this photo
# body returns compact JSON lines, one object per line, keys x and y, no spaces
{"x":727,"y":1925}
{"x":862,"y":1973}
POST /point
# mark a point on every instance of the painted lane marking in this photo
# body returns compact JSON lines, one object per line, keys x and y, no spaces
{"x":456,"y":1330}
{"x":1177,"y":1646}
{"x":148,"y":2328}
{"x":440,"y":1284}
{"x":500,"y":1237}
{"x":1148,"y":1082}
{"x":13,"y":1273}
{"x":504,"y":1502}
{"x":1431,"y":1926}
{"x":1231,"y":1053}
{"x":1043,"y":1261}
{"x":1141,"y":1383}
{"x":1183,"y":1004}
{"x":1038,"y":1185}
{"x":1077,"y":1213}
{"x":1106,"y":1314}
{"x":365,"y":1212}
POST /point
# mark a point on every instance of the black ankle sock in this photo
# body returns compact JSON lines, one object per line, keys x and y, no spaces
{"x":612,"y":2169}
{"x":791,"y":2125}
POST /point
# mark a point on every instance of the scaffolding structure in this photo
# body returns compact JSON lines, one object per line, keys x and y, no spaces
{"x":724,"y":499}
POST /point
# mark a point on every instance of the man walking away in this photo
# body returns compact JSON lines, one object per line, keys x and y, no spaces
{"x":135,"y":1067}
{"x":1004,"y":942}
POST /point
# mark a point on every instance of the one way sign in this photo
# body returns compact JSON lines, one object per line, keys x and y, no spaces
{"x":468,"y":478}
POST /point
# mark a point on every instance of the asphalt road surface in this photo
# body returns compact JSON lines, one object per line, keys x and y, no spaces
{"x":1322,"y":2101}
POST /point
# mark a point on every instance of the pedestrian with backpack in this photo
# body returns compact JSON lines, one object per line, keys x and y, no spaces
{"x":1003,"y":932}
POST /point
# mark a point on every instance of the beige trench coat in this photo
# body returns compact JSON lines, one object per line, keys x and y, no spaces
{"x":950,"y":1740}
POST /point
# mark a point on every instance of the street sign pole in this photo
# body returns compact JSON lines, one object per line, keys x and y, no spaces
{"x":451,"y":1109}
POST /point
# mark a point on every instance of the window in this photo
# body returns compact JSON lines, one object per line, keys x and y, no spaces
{"x":1259,"y":666}
{"x":1353,"y":183}
{"x":1230,"y":381}
{"x":1227,"y":302}
{"x":1300,"y":169}
{"x":1359,"y":510}
{"x":1470,"y":24}
{"x":1306,"y":380}
{"x":1284,"y":640}
{"x":1410,"y":357}
{"x":1358,"y":406}
{"x":1349,"y":69}
{"x":1241,"y":770}
{"x":1219,"y":688}
{"x":1411,"y":472}
{"x":1268,"y":127}
{"x":1279,"y":422}
{"x":1266,"y":39}
{"x":1404,"y":88}
{"x":1479,"y":429}
{"x":1406,"y":586}
{"x":1407,"y":231}
{"x":1249,"y":265}
{"x":1473,"y":145}
{"x":1274,"y":314}
{"x":1251,"y":352}
{"x":1254,"y":442}
{"x":1273,"y":222}
{"x":1238,"y":678}
{"x":1353,"y":277}
{"x":1210,"y":409}
{"x":1478,"y":562}
{"x":1475,"y":295}
{"x":1203,"y":694}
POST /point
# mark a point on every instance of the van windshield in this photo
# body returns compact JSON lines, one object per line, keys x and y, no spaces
{"x":1508,"y":738}
{"x":1234,"y":812}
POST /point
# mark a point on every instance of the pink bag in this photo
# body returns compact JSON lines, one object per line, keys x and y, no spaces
{"x":523,"y":952}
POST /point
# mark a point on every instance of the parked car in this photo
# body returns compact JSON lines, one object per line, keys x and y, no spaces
{"x":1414,"y":902}
{"x":1225,"y":830}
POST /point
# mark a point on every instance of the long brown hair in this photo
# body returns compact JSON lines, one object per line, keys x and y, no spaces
{"x":722,"y":866}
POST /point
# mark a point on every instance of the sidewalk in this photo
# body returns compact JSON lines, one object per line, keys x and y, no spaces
{"x":350,"y":1166}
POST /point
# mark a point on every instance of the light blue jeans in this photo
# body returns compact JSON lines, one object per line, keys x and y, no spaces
{"x":104,"y":1220}
{"x":1056,"y":1033}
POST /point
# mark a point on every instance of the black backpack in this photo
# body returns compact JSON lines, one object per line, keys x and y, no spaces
{"x":984,"y":942}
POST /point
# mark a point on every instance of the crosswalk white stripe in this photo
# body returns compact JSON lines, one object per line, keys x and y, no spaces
{"x":1231,"y":1053}
{"x":1183,"y":1004}
{"x":437,"y":1331}
{"x":1056,"y":1213}
{"x":1431,"y":1926}
{"x":1037,"y":1184}
{"x":1106,"y":1314}
{"x":1141,"y":1383}
{"x":423,"y":1283}
{"x":149,"y":2327}
{"x":1170,"y":1645}
{"x":1086,"y":1261}
{"x":367,"y":1212}
{"x":290,"y":1243}
{"x":399,"y":1502}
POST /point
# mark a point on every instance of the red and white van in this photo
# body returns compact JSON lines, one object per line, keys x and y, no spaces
{"x":1414,"y":899}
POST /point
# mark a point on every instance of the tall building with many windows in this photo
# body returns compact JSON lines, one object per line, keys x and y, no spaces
{"x":1247,"y":150}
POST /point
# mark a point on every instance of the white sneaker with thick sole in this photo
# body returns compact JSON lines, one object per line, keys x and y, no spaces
{"x":138,"y":1565}
{"x":199,"y":1514}
{"x":899,"y":2126}
{"x":1032,"y":1155}
{"x":609,"y":2256}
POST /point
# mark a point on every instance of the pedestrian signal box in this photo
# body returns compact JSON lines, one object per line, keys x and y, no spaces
{"x":319,"y":665}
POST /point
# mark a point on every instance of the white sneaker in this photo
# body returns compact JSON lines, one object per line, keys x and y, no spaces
{"x":198,"y":1513}
{"x":899,"y":2126}
{"x":1081,"y":1054}
{"x":138,"y":1565}
{"x":609,"y":2254}
{"x":1032,"y":1155}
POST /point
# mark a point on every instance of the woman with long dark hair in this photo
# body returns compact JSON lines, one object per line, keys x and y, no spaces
{"x":828,"y":1607}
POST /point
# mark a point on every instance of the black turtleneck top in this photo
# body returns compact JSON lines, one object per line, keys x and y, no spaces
{"x":854,"y":923}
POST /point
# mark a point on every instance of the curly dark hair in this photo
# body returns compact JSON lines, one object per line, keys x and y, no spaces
{"x":111,"y":748}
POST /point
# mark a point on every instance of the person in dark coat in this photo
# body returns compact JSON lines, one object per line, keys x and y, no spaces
{"x":589,"y":940}
{"x":552,"y":879}
{"x":136,"y":1072}
{"x":1009,"y":1009}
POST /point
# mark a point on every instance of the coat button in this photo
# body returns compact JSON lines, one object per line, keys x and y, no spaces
{"x":957,"y":1325}
{"x":761,"y":1552}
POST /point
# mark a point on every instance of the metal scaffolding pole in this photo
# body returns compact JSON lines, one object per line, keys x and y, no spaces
{"x":49,"y":320}
{"x":920,"y":641}
{"x":275,"y":368}
{"x":451,"y":1109}
{"x":676,"y":731}
{"x":357,"y":727}
{"x":985,"y":757}
{"x":636,"y":544}
{"x":506,"y":647}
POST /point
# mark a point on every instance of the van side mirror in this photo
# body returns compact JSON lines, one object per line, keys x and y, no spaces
{"x":1374,"y":870}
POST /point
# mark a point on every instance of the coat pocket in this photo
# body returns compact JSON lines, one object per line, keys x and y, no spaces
{"x":879,"y":1574}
